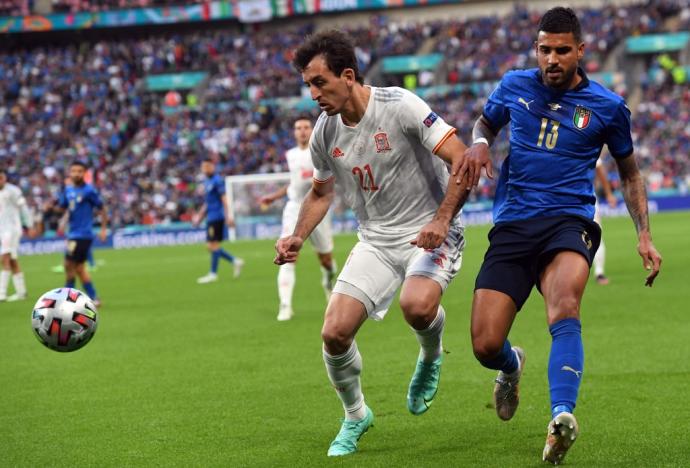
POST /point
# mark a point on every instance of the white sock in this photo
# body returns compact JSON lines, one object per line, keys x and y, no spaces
{"x":286,"y":283}
{"x":343,"y":372}
{"x":19,"y":286}
{"x":430,"y":338}
{"x":599,"y":259}
{"x":4,"y":281}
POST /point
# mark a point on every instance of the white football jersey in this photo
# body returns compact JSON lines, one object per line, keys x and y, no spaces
{"x":12,"y":207}
{"x":385,"y":167}
{"x":301,"y":173}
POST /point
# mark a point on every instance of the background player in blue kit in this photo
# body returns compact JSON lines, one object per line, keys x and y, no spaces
{"x":215,"y":210}
{"x":81,"y":200}
{"x":544,"y":232}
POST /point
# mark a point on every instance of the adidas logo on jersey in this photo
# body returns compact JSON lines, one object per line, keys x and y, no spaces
{"x":337,"y":153}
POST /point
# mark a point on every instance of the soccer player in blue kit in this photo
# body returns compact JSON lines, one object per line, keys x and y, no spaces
{"x":215,"y":211}
{"x":81,"y":200}
{"x":544,"y":233}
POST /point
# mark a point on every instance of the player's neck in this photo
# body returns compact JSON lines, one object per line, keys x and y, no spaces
{"x":303,"y":146}
{"x":354,"y":110}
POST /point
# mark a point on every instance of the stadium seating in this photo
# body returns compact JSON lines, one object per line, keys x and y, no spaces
{"x":86,"y":101}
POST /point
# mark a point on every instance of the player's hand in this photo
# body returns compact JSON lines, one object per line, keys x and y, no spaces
{"x":475,"y":157}
{"x":287,"y":249}
{"x":195,"y":220}
{"x":266,"y":200}
{"x":32,"y":233}
{"x":651,"y":259}
{"x":612,"y":200}
{"x":103,"y":235}
{"x":230,"y":222}
{"x":432,"y":235}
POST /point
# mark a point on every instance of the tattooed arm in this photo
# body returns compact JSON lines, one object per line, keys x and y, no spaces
{"x":635,"y":197}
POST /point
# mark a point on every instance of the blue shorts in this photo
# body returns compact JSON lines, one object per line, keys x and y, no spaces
{"x":215,"y":231}
{"x":78,"y":250}
{"x":520,"y":250}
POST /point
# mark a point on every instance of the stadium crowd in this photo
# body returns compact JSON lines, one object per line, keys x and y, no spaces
{"x":87,"y":101}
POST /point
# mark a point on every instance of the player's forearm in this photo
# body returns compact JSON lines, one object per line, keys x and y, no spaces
{"x":635,"y":196}
{"x":104,"y":219}
{"x":314,"y":208}
{"x":455,"y":198}
{"x":482,"y":129}
{"x":280,"y":193}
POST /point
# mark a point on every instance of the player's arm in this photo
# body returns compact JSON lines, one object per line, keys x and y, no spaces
{"x":314,"y":207}
{"x":495,"y":116}
{"x":26,"y":215}
{"x":199,"y":215}
{"x":103,"y":235}
{"x":435,"y":232}
{"x":635,"y":196}
{"x":227,"y":215}
{"x":271,"y":197}
{"x":603,"y":179}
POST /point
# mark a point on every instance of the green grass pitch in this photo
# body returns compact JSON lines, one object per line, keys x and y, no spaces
{"x":181,"y":374}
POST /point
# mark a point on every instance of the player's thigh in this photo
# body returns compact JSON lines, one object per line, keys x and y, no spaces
{"x":439,"y":265}
{"x":321,"y":237}
{"x":370,"y":276}
{"x":563,"y":281}
{"x":344,"y":315}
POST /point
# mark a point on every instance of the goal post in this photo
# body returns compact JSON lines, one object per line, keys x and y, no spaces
{"x":254,"y":221}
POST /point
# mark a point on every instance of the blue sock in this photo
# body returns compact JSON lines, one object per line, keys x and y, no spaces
{"x":70,"y":283}
{"x":90,"y":290}
{"x":506,"y":360}
{"x":565,"y":365}
{"x":215,"y":257}
{"x":226,"y":255}
{"x":89,"y":258}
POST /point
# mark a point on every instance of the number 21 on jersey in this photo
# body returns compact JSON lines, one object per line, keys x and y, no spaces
{"x":366,"y":178}
{"x":551,"y":137}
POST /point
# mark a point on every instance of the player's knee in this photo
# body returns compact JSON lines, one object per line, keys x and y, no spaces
{"x":336,"y":339}
{"x":566,"y":306}
{"x":486,"y":348}
{"x":419,"y":311}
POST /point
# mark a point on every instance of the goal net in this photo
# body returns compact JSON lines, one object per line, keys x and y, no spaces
{"x":256,"y":221}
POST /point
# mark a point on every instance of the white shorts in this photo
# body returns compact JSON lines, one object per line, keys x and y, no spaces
{"x":373,"y":275}
{"x":9,"y":243}
{"x":321,"y":237}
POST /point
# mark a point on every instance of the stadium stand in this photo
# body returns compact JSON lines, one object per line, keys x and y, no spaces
{"x":87,"y":100}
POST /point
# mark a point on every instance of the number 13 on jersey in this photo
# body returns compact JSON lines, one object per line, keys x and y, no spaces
{"x":551,"y":137}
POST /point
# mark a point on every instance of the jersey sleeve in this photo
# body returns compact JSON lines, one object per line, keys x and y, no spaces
{"x":25,"y":213}
{"x":618,"y":136}
{"x":419,"y":120}
{"x":220,"y":186}
{"x":96,"y":200}
{"x":62,"y":199}
{"x":495,"y":111}
{"x":319,"y":156}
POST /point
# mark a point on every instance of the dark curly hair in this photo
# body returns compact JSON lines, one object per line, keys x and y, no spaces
{"x":335,"y":46}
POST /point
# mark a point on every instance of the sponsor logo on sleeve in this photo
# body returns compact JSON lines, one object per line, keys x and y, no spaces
{"x":430,"y":119}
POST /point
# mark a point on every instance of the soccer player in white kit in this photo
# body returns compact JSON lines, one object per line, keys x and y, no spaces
{"x":378,"y":145}
{"x":301,"y":173}
{"x":600,"y":257}
{"x":13,"y":210}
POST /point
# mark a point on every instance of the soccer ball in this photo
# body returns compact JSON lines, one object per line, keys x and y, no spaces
{"x":64,"y":319}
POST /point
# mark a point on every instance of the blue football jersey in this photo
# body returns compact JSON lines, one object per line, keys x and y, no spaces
{"x":80,"y":202}
{"x":215,"y":189}
{"x":555,"y":140}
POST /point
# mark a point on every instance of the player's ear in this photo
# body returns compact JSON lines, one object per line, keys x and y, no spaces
{"x":581,"y":51}
{"x":349,"y":75}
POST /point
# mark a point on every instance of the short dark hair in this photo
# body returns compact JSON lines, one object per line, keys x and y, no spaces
{"x":561,"y":20}
{"x":79,"y":163}
{"x":304,"y":117}
{"x":337,"y":49}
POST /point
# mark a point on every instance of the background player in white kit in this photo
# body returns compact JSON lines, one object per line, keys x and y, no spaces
{"x":301,"y":172}
{"x":13,"y":211}
{"x":602,"y":180}
{"x":379,"y":145}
